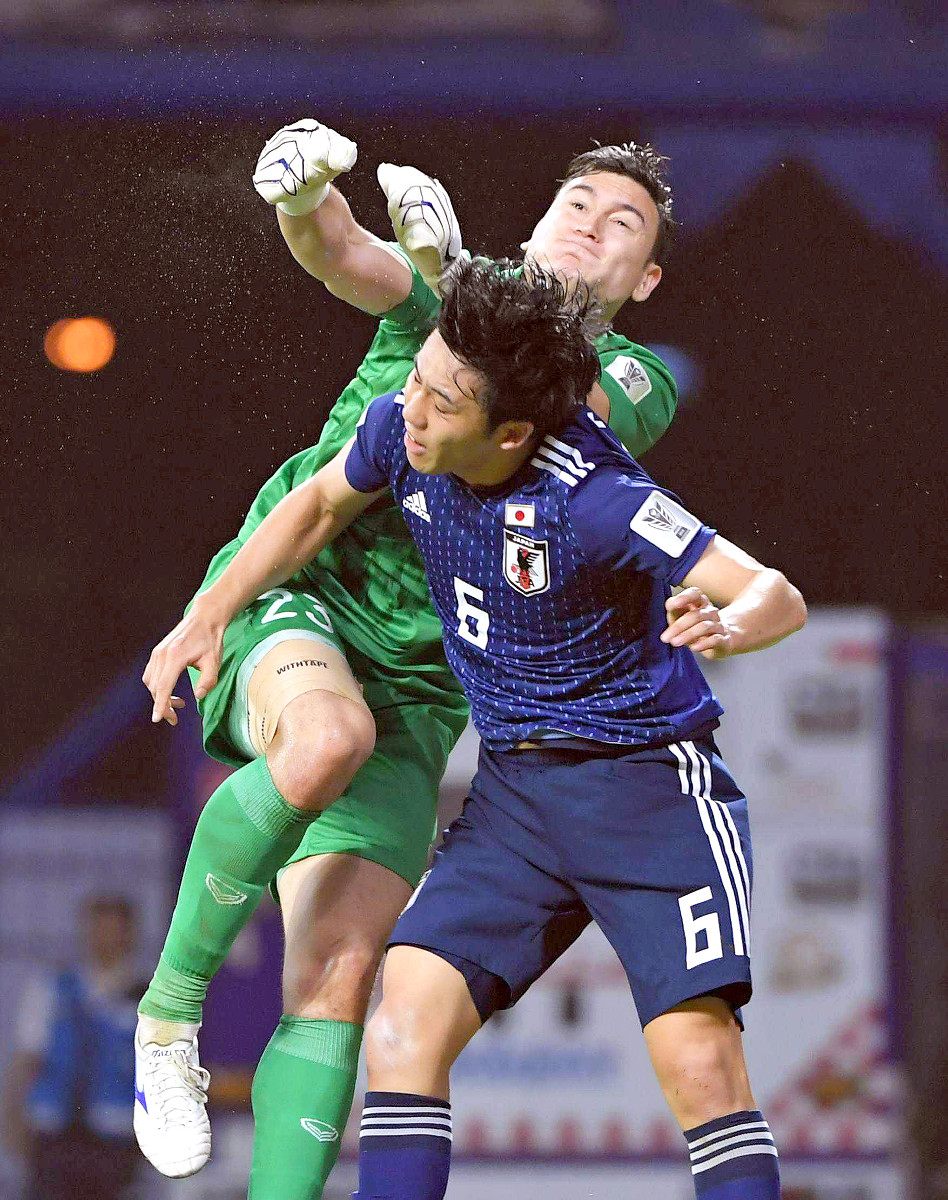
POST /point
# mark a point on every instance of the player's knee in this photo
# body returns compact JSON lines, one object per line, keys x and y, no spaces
{"x":394,"y":1039}
{"x":332,"y":981}
{"x":320,"y":743}
{"x":706,"y":1079}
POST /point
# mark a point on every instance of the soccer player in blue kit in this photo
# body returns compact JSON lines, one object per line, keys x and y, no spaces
{"x":600,"y":795}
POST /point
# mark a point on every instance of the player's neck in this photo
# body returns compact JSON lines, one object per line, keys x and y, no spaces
{"x":498,"y":469}
{"x":608,"y":311}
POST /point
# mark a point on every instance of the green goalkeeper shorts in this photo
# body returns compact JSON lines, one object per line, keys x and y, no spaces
{"x":388,"y":812}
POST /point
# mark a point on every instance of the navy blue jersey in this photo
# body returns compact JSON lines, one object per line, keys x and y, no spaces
{"x":551,"y":587}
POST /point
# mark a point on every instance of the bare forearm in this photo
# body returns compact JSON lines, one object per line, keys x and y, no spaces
{"x":292,"y":534}
{"x":289,"y":537}
{"x":765,"y":611}
{"x":318,"y":240}
{"x":353,"y":264}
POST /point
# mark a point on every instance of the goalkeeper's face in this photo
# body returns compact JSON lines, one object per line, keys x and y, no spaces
{"x":601,"y":227}
{"x":446,"y":424}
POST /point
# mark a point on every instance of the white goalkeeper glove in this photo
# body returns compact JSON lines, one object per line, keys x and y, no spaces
{"x":298,"y":163}
{"x":423,"y":220}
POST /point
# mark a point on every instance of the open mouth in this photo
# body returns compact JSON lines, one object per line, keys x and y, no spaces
{"x":411,"y":444}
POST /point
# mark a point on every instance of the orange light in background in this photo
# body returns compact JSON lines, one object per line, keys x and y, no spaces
{"x":79,"y":343}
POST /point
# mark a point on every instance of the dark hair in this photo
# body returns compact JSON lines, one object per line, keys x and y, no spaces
{"x":643,"y":164}
{"x":528,"y":336}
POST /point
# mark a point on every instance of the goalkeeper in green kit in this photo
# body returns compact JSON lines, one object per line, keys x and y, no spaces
{"x":334,"y":700}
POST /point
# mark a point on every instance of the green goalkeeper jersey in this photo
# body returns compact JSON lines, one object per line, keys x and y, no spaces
{"x":371,"y":578}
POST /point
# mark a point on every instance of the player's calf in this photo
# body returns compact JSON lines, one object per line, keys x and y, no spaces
{"x":698,"y":1058}
{"x":425,"y":1020}
{"x":338,"y":910}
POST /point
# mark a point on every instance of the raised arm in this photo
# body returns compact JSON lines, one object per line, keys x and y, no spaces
{"x":292,"y":535}
{"x":294,"y":173}
{"x":732,"y":604}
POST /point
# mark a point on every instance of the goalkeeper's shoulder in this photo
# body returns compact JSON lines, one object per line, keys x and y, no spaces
{"x":642,"y":393}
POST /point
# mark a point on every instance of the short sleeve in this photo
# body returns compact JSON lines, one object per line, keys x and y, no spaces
{"x":419,"y":310}
{"x":624,"y":521}
{"x":369,"y":462}
{"x":642,"y":395}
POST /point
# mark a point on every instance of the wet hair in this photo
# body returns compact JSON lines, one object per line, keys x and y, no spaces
{"x":643,"y":164}
{"x":530,"y":337}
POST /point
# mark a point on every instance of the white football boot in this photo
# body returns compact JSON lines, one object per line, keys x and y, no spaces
{"x":170,"y":1118}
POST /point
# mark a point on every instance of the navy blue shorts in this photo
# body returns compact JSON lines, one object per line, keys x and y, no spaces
{"x":653,"y":846}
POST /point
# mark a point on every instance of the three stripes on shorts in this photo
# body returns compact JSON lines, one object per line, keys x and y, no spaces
{"x":694,"y":775}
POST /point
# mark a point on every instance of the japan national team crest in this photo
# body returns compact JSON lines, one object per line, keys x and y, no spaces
{"x":526,"y":563}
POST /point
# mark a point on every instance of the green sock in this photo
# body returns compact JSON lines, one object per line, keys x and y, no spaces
{"x":245,"y":834}
{"x":302,"y":1093}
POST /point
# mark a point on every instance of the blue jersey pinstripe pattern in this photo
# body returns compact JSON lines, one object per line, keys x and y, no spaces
{"x":552,"y":628}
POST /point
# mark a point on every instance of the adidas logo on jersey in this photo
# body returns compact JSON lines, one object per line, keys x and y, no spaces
{"x":416,"y":503}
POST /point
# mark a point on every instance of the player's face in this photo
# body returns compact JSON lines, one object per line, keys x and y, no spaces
{"x":108,"y":934}
{"x":601,"y":227}
{"x":445,"y":426}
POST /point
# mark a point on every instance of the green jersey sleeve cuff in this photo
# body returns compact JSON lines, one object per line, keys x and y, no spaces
{"x":420,"y":307}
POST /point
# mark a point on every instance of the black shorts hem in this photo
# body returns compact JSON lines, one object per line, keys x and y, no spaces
{"x":488,"y":991}
{"x":736,"y":992}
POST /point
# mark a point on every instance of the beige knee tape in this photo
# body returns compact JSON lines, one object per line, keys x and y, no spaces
{"x":291,"y":669}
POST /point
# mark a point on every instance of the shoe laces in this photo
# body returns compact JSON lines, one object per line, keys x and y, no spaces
{"x":180,"y":1088}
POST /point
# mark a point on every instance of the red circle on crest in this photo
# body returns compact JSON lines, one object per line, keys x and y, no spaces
{"x":520,"y":514}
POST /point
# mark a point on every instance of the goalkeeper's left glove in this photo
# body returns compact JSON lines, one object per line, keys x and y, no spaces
{"x":423,"y":220}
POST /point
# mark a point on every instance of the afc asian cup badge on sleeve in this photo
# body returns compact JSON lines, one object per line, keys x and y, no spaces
{"x":526,"y":563}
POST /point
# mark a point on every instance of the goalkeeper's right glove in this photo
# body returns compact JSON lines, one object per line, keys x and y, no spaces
{"x":296,"y":165}
{"x":423,"y":219}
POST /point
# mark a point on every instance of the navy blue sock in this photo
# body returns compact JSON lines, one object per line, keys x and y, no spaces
{"x":404,"y":1147}
{"x":734,"y":1158}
